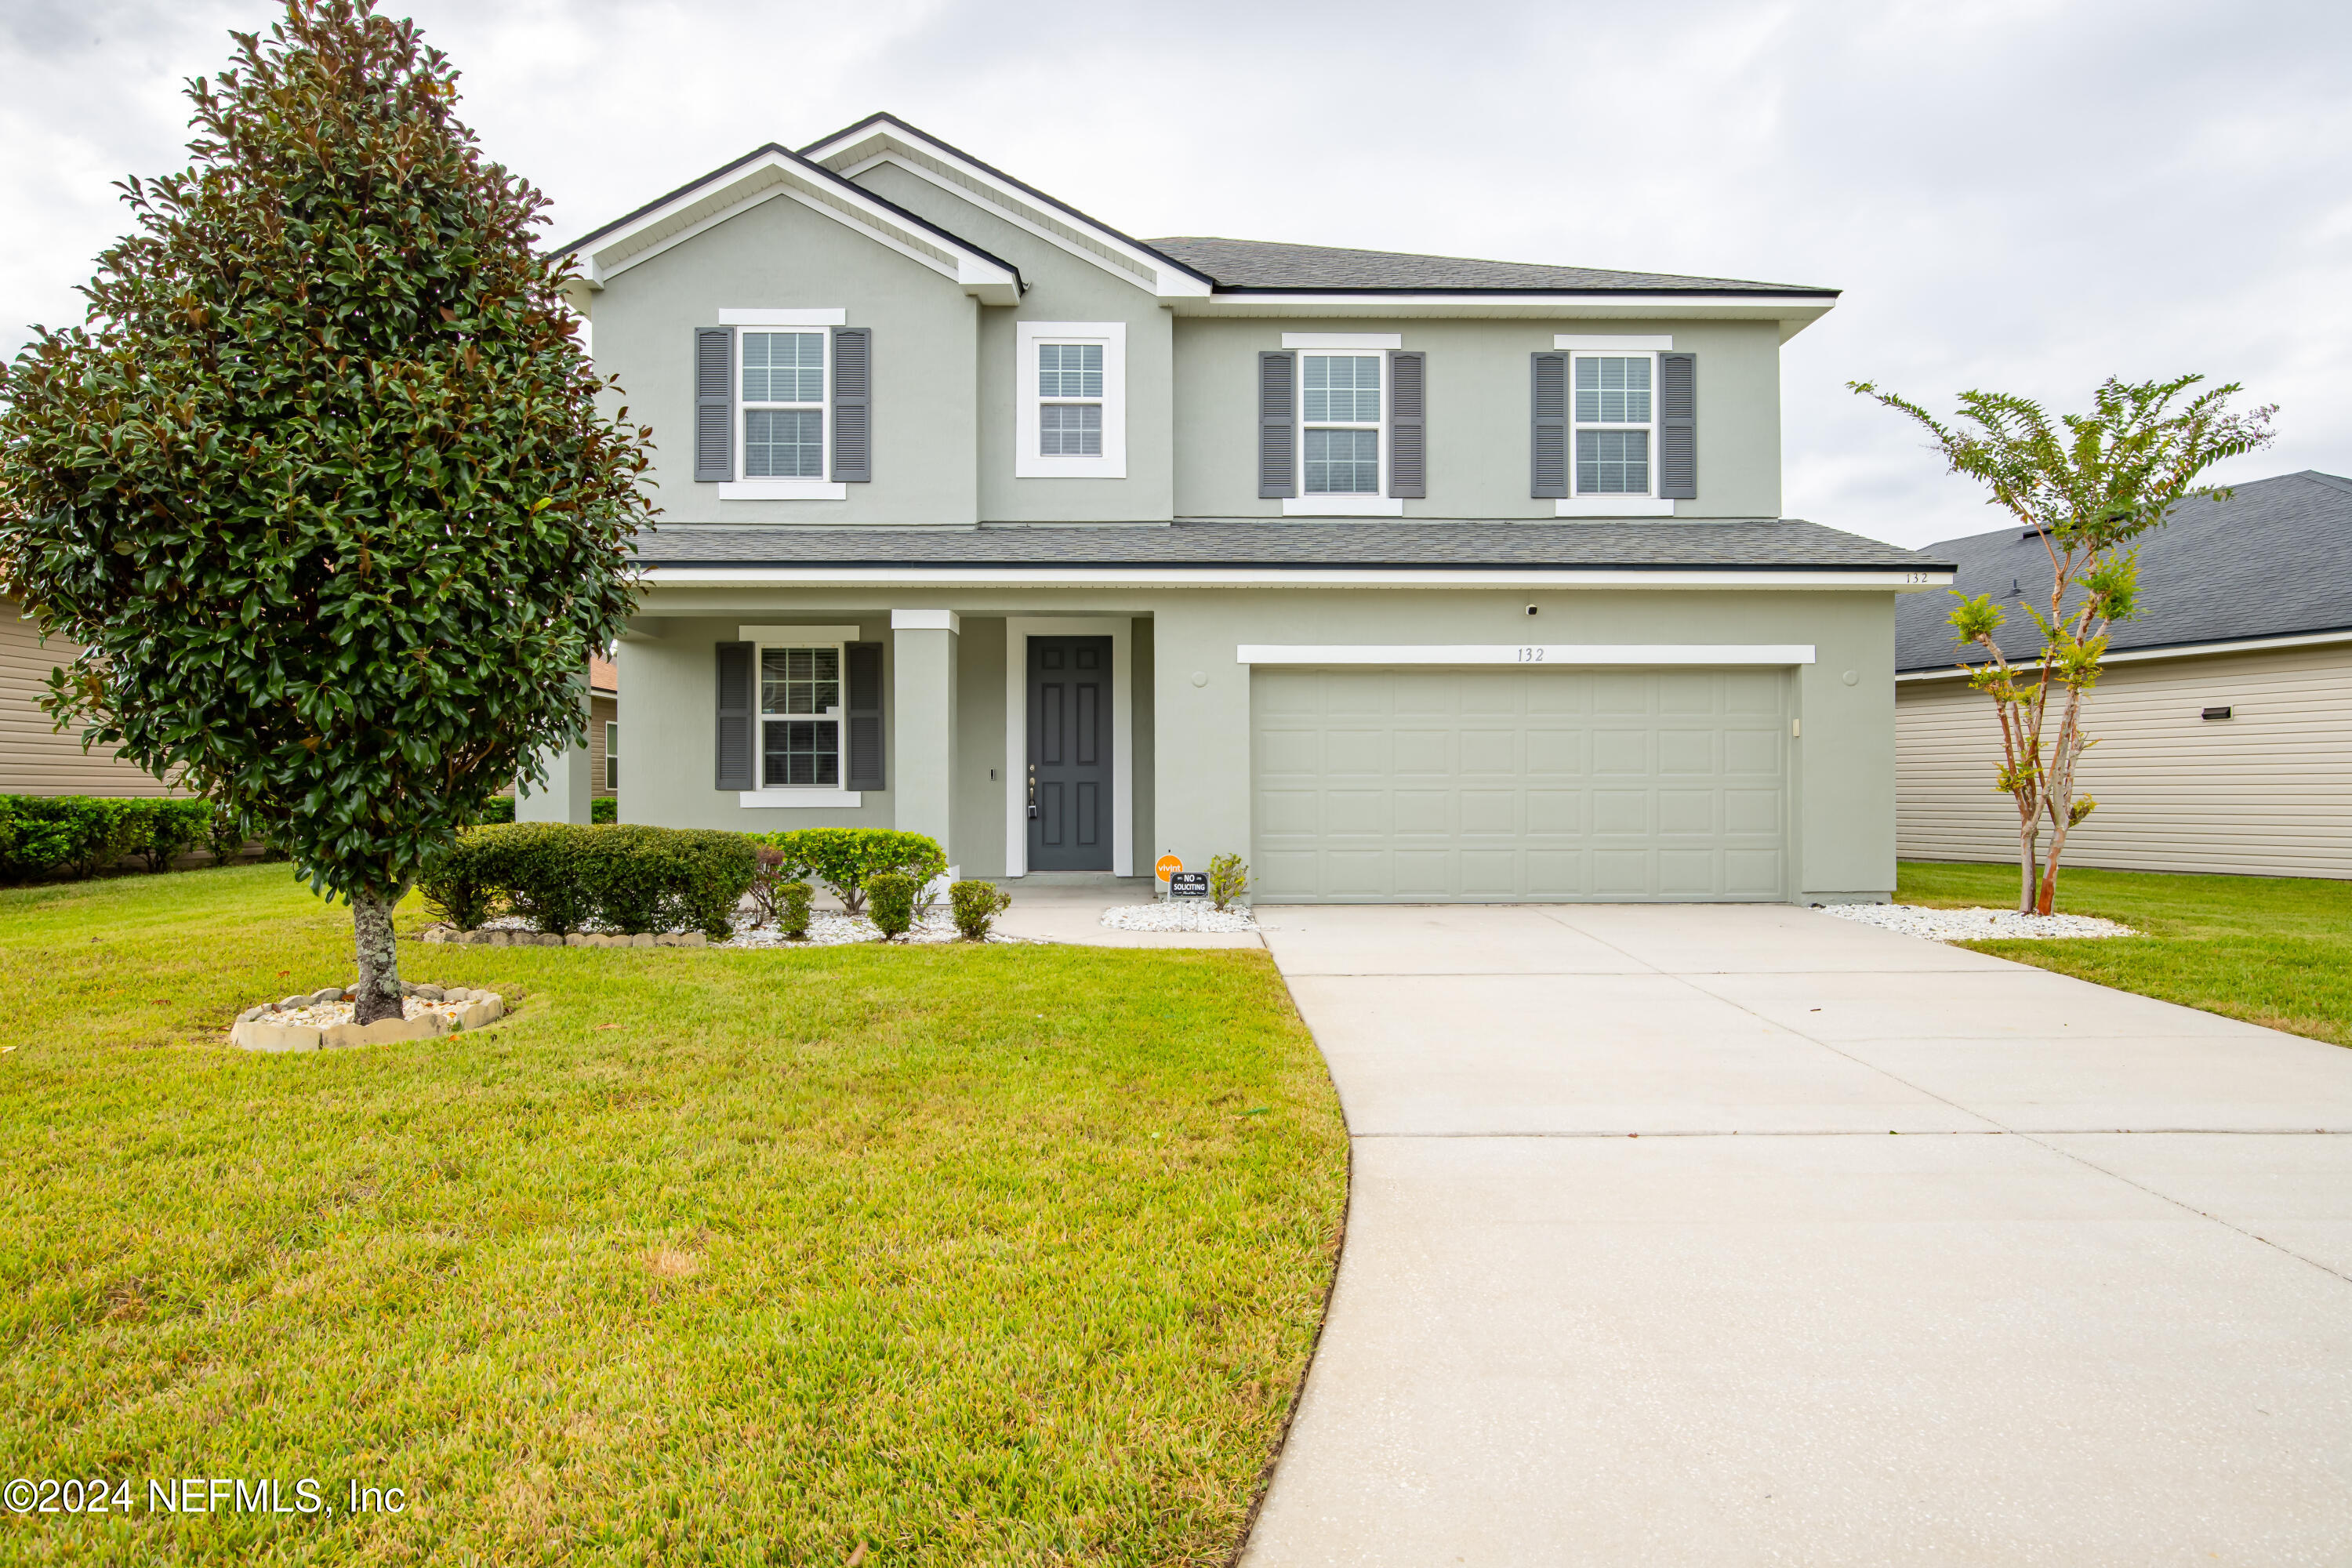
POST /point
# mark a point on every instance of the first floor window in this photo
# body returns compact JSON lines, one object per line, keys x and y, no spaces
{"x":1613,"y":420}
{"x":784,"y":405}
{"x":1340,"y":406}
{"x":1612,"y":462}
{"x":799,"y":717}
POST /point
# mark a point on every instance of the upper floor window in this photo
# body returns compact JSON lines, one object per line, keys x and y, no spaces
{"x":1071,"y":418}
{"x":784,"y":405}
{"x":1612,"y":409}
{"x":1341,"y":410}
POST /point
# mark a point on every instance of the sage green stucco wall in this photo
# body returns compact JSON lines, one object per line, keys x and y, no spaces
{"x":1192,"y":742}
{"x":1478,"y":412}
{"x":1061,"y":288}
{"x":781,"y":255}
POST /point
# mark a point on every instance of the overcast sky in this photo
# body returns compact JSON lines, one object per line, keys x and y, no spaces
{"x":2014,"y":195}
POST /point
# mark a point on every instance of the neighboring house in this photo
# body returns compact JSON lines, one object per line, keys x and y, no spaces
{"x":2223,"y":720}
{"x":36,"y":759}
{"x":1407,"y":577}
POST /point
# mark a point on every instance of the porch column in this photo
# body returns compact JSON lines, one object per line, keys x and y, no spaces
{"x":923,"y":721}
{"x":565,"y":797}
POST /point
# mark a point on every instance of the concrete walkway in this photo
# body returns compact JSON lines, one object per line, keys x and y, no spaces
{"x":1635,"y":1273}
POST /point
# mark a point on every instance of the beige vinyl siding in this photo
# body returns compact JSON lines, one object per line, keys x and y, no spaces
{"x":2267,"y":791}
{"x":34,"y":758}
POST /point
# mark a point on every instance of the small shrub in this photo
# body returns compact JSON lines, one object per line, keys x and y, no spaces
{"x":565,"y":875}
{"x":976,"y":905}
{"x":847,"y":859}
{"x":223,"y":837}
{"x":605,"y":809}
{"x":891,"y":897}
{"x":72,"y":835}
{"x":775,"y":873}
{"x":169,"y":827}
{"x":1228,"y":879}
{"x":497,"y":809}
{"x":792,"y":910}
{"x":454,"y":884}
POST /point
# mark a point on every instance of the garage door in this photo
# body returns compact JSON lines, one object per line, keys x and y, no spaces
{"x":1488,"y":785}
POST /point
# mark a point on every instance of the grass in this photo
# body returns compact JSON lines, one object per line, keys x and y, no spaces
{"x":970,"y":1256}
{"x":2274,"y":951}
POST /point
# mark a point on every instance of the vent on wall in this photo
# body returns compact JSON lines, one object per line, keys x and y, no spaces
{"x":2215,"y":713}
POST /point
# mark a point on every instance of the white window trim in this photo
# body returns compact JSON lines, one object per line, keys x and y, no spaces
{"x":1018,"y":630}
{"x":1617,"y":505}
{"x":741,"y":487}
{"x":1028,"y":462}
{"x":762,"y":639}
{"x":1361,"y":503}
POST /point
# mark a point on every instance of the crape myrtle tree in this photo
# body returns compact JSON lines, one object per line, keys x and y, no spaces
{"x":2091,"y":486}
{"x":319,"y":487}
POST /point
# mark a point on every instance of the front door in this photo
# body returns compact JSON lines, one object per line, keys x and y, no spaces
{"x":1069,"y":779}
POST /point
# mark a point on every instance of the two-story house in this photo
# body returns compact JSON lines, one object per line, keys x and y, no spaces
{"x":1407,"y":577}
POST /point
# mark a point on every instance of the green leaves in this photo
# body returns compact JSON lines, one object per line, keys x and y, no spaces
{"x":329,"y":507}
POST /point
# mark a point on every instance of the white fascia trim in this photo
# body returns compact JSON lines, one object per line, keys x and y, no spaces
{"x":805,"y":799}
{"x":1165,"y":281}
{"x":2183,"y":650}
{"x":1612,"y":506}
{"x":783,"y":490}
{"x":813,"y":636}
{"x":926,"y":621}
{"x":1120,"y":629}
{"x":1524,"y":653}
{"x":1343,"y":340}
{"x":1028,"y":462}
{"x":841,"y":201}
{"x":1580,"y":342}
{"x":659,"y":577}
{"x":1342,"y":506}
{"x":733,"y":316}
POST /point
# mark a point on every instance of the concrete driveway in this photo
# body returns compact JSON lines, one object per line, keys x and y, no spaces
{"x":1732,"y":1235}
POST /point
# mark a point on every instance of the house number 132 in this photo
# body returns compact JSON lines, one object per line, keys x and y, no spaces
{"x":1531,"y":656}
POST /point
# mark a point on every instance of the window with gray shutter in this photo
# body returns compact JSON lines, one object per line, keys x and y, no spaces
{"x":735,"y":717}
{"x":1678,"y":426}
{"x":853,"y":405}
{"x":1408,"y":453}
{"x":863,"y":714}
{"x":714,"y":404}
{"x":1277,"y":424}
{"x":1548,"y":398}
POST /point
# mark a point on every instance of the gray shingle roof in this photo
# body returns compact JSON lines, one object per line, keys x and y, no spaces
{"x":1769,"y":545}
{"x":2274,"y":560}
{"x":1270,"y":264}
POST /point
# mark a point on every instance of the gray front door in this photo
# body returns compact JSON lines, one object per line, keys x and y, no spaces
{"x":1069,"y":754}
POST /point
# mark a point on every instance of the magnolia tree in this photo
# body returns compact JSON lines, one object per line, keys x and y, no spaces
{"x":2091,"y":487}
{"x":320,"y":486}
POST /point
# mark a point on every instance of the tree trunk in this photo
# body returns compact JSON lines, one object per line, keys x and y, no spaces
{"x":377,"y":994}
{"x":2029,"y":867}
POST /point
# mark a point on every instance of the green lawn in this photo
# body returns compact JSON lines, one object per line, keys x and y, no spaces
{"x":974,"y":1256}
{"x":2275,"y":950}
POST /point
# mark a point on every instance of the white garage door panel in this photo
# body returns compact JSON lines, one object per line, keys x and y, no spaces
{"x":1481,"y":784}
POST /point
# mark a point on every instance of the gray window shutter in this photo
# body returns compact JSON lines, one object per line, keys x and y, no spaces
{"x":714,"y":404}
{"x":853,"y":406}
{"x":1550,"y":400}
{"x":863,"y":714}
{"x":735,"y":720}
{"x":1408,"y":455}
{"x":1678,"y":426}
{"x":1277,"y":424}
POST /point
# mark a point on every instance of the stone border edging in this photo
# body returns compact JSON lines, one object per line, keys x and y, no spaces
{"x":503,"y":936}
{"x":254,"y":1032}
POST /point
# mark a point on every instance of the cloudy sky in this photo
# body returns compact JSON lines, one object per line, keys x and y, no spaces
{"x":2015,"y":195}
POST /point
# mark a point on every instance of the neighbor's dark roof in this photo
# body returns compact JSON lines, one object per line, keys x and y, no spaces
{"x":2272,"y":561}
{"x":1769,"y":545}
{"x":1270,"y":264}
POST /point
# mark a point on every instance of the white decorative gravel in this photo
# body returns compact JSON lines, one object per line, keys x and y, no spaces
{"x":831,"y":928}
{"x":327,"y":1015}
{"x":1178,"y":914}
{"x":1972,"y":925}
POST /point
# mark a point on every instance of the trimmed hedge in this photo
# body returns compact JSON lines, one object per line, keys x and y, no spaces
{"x":847,"y":859}
{"x":563,"y":877}
{"x":76,"y":836}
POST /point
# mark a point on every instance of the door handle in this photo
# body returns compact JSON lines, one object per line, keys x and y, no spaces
{"x":1032,"y":792}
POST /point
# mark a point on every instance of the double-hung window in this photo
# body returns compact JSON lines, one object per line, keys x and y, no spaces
{"x":1340,"y":412}
{"x":1613,"y":399}
{"x":783,"y":405}
{"x":799,"y":717}
{"x":1071,"y":400}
